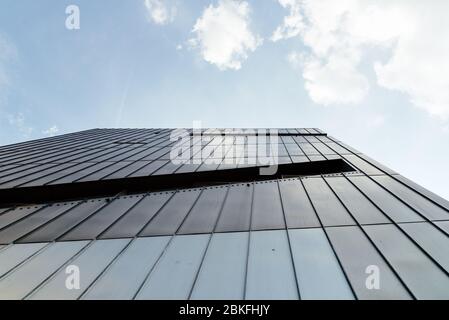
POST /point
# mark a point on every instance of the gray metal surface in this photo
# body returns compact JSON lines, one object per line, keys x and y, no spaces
{"x":308,"y":237}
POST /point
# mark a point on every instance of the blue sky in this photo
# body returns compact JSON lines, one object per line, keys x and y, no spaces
{"x":374,"y":74}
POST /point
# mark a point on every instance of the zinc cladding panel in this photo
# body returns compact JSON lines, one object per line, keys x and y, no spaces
{"x":13,"y":255}
{"x":44,"y":173}
{"x":419,"y":203}
{"x":442,"y":202}
{"x":59,"y":226}
{"x":326,"y":204}
{"x":137,"y":218}
{"x":410,"y":262}
{"x":362,"y":165}
{"x":298,"y":210}
{"x":127,"y":170}
{"x":322,"y":148}
{"x":19,"y":283}
{"x":308,"y":149}
{"x":149,"y":168}
{"x":392,"y":207}
{"x":174,"y":275}
{"x":319,"y":274}
{"x":170,"y":217}
{"x":91,"y":262}
{"x":100,"y":221}
{"x":222,"y":274}
{"x":98,"y":175}
{"x":128,"y":271}
{"x":74,"y":176}
{"x":267,"y":208}
{"x":356,"y":253}
{"x":444,"y":225}
{"x":359,"y":206}
{"x":336,"y":147}
{"x":236,"y":212}
{"x":270,"y":269}
{"x":431,"y":239}
{"x":16,"y":214}
{"x":377,"y":164}
{"x":204,"y":214}
{"x":58,"y":175}
{"x":32,"y":222}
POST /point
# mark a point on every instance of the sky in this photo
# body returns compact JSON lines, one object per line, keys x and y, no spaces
{"x":374,"y":74}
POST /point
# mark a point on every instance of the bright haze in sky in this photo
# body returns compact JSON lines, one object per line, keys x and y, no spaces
{"x":374,"y":74}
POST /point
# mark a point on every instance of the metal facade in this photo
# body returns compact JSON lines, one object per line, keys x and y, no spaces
{"x":289,"y":237}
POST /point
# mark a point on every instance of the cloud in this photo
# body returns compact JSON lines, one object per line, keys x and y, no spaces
{"x":223,"y":36}
{"x":339,"y":35}
{"x":159,"y":12}
{"x":52,"y":131}
{"x":293,"y":23}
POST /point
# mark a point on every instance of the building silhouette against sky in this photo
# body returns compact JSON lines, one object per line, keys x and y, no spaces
{"x":329,"y":223}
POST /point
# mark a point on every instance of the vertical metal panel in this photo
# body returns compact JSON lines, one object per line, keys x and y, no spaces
{"x":236,"y":212}
{"x":337,"y":148}
{"x":28,"y":276}
{"x":270,"y":270}
{"x":421,"y":274}
{"x":98,"y":222}
{"x":321,"y":147}
{"x":134,"y":220}
{"x":356,"y":253}
{"x":267,"y":209}
{"x":17,"y":214}
{"x":13,"y":255}
{"x":394,"y":208}
{"x":222,"y":274}
{"x":294,"y":150}
{"x":308,"y":149}
{"x":31,"y":222}
{"x":60,"y":225}
{"x":204,"y":214}
{"x":149,"y":169}
{"x":298,"y":210}
{"x":362,"y":165}
{"x":127,"y":170}
{"x":319,"y":274}
{"x":126,"y":274}
{"x":432,"y":240}
{"x":377,"y":164}
{"x":329,"y":209}
{"x":421,"y":204}
{"x":90,"y":262}
{"x":442,"y":202}
{"x":82,"y":173}
{"x":360,"y":207}
{"x":98,"y":175}
{"x":174,"y":274}
{"x":443,"y":225}
{"x":168,"y":220}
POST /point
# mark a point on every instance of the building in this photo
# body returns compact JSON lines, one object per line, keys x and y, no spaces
{"x":111,"y":211}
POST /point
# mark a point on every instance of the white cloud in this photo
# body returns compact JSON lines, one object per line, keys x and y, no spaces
{"x":52,"y":131}
{"x":223,"y":36}
{"x":334,"y":81}
{"x":293,"y":23}
{"x":339,"y":34}
{"x":160,"y":12}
